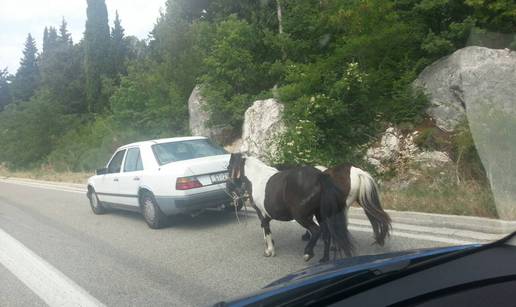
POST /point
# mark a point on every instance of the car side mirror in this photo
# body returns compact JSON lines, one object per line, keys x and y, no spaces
{"x":101,"y":171}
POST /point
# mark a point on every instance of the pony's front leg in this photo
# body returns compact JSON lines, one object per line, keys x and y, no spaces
{"x":267,"y":235}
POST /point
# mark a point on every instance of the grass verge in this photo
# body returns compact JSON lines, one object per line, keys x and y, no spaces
{"x":47,"y":174}
{"x":439,"y":192}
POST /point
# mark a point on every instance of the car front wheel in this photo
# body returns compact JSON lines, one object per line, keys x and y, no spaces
{"x":152,"y":214}
{"x":96,"y":205}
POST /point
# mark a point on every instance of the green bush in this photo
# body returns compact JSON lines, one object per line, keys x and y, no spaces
{"x":30,"y":129}
{"x":149,"y":103}
{"x":90,"y":146}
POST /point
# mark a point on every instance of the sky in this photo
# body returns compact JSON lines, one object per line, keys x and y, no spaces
{"x":20,"y":17}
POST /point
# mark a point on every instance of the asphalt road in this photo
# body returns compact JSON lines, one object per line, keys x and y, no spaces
{"x":119,"y":261}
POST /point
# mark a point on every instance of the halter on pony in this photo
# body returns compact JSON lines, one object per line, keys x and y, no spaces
{"x":238,"y":187}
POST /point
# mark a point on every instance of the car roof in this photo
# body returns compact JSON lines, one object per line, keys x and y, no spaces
{"x":165,"y":140}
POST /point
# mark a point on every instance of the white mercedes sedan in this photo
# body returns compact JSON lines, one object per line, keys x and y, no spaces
{"x":162,"y":177}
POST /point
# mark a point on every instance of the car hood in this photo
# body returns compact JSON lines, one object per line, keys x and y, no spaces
{"x":341,"y":269}
{"x":205,"y":165}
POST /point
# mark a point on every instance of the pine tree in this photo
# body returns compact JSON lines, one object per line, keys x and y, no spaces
{"x":119,"y":47}
{"x":64,"y":37}
{"x":45,"y":39}
{"x":5,"y":91}
{"x":27,"y":76}
{"x":96,"y":57}
{"x":61,"y":71}
{"x":49,"y":39}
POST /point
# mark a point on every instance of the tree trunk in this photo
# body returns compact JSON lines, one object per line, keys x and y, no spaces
{"x":279,"y":13}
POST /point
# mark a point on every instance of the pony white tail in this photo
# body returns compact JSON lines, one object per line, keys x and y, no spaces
{"x":369,"y":199}
{"x":321,"y":168}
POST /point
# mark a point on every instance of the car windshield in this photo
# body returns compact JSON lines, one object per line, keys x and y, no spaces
{"x":183,"y":152}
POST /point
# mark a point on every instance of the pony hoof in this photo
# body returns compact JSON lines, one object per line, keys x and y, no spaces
{"x":307,"y":257}
{"x":269,"y":253}
{"x":324,"y":260}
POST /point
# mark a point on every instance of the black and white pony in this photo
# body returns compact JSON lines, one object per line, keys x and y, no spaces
{"x":295,"y":194}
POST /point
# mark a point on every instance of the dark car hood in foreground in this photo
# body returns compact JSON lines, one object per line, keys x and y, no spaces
{"x":319,"y":274}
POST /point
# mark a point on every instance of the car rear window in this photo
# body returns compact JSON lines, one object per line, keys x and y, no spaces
{"x":185,"y":150}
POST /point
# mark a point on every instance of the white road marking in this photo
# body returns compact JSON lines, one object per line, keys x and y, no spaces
{"x":426,"y":237}
{"x":52,"y":286}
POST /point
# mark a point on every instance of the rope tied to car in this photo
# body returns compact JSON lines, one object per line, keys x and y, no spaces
{"x":239,"y":194}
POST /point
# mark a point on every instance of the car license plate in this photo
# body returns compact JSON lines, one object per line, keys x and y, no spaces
{"x":220,"y":177}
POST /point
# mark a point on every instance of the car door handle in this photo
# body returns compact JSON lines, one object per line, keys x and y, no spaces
{"x":116,"y":179}
{"x":136,"y":178}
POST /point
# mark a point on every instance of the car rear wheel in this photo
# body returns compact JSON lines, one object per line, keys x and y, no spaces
{"x":96,"y":205}
{"x":152,"y":214}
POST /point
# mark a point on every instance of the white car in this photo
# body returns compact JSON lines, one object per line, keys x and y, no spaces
{"x":162,"y":177}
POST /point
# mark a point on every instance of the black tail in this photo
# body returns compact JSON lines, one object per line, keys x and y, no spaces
{"x":369,"y":199}
{"x":333,"y":214}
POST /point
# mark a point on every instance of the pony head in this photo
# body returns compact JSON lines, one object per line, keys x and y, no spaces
{"x":235,"y":185}
{"x":236,"y":166}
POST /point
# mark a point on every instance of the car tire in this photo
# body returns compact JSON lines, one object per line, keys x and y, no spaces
{"x":96,"y":205}
{"x":152,"y":214}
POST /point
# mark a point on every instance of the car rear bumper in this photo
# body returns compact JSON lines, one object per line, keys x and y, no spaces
{"x":171,"y":205}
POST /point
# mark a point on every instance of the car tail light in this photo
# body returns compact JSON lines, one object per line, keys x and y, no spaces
{"x":187,"y":183}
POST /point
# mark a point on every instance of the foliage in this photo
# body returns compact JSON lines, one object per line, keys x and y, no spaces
{"x":468,"y":162}
{"x":234,"y":73}
{"x":148,"y":103}
{"x":343,"y":69}
{"x":61,"y":71}
{"x":5,"y":89}
{"x":27,"y":77}
{"x":119,"y":48}
{"x":27,"y":139}
{"x":90,"y":146}
{"x":96,"y":54}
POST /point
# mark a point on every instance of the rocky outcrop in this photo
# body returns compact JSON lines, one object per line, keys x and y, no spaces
{"x":198,"y":116}
{"x":469,"y":76}
{"x":480,"y":84}
{"x":397,"y":149}
{"x":262,"y":125}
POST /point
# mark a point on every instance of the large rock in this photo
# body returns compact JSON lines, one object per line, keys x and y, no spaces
{"x":469,"y":76}
{"x":199,"y":117}
{"x":480,"y":84}
{"x":262,"y":126}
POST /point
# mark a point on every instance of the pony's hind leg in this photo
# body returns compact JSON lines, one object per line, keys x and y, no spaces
{"x":315,"y":232}
{"x":326,"y":239}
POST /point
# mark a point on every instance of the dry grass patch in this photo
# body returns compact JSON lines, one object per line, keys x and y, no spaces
{"x":47,"y":174}
{"x":439,"y":192}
